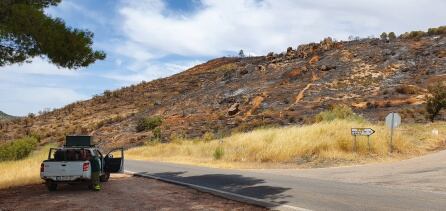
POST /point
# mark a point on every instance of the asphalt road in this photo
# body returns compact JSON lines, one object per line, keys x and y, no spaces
{"x":290,"y":187}
{"x":426,"y":173}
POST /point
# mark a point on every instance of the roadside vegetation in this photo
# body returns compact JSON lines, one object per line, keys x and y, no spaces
{"x":328,"y":142}
{"x":24,"y":171}
{"x":436,"y":100}
{"x":17,"y":149}
{"x":338,"y":112}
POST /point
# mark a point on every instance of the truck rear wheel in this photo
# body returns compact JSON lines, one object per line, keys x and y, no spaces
{"x":52,"y":186}
{"x":105,"y":177}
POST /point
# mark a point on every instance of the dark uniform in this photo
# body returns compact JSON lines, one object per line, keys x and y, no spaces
{"x":95,"y":172}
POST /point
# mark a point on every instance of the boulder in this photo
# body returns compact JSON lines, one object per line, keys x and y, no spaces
{"x":233,"y":110}
{"x":387,"y":52}
{"x":244,"y":71}
{"x":326,"y":67}
{"x":261,"y":68}
{"x":270,"y":56}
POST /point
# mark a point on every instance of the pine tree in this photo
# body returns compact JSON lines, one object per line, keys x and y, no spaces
{"x":27,"y":32}
{"x":241,"y":54}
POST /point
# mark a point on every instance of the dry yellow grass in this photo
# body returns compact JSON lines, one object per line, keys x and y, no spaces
{"x":321,"y":144}
{"x":23,"y":172}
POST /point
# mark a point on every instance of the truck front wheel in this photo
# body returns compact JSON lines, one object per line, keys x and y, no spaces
{"x":105,"y":177}
{"x":52,"y":186}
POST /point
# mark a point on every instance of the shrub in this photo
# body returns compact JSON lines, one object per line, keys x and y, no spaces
{"x":435,"y":100}
{"x":407,"y":90}
{"x":218,"y":153}
{"x":413,"y":35}
{"x":384,"y":36}
{"x":17,"y":149}
{"x":156,"y":134}
{"x":107,"y":93}
{"x":391,"y":35}
{"x":148,"y":123}
{"x":208,"y":136}
{"x":174,"y":137}
{"x":437,"y":31}
{"x":338,"y":112}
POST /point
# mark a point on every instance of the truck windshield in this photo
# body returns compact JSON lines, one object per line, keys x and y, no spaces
{"x":70,"y":155}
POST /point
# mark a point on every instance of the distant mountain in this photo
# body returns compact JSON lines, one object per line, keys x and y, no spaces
{"x":6,"y":116}
{"x":374,"y":76}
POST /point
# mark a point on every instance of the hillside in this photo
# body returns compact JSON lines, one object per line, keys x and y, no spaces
{"x":4,"y":116}
{"x":373,"y":76}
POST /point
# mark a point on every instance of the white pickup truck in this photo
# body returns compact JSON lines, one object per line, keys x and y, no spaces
{"x":69,"y":165}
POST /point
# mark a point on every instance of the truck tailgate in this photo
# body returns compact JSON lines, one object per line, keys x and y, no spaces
{"x":65,"y":170}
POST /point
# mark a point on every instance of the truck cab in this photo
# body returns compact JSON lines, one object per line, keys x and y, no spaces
{"x":70,"y":163}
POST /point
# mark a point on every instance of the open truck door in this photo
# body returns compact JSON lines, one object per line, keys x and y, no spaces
{"x":114,"y":161}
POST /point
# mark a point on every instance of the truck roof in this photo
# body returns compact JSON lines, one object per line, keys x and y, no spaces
{"x":89,"y":147}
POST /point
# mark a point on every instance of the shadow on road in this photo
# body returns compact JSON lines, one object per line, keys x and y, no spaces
{"x":234,"y":183}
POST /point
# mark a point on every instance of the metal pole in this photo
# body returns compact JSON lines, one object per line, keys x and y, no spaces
{"x":391,"y":132}
{"x":354,"y":144}
{"x":368,"y":142}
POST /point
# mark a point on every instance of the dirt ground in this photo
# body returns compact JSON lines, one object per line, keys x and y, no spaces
{"x":122,"y":192}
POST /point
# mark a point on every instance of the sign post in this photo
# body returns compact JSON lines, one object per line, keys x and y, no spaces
{"x":368,"y":142}
{"x":393,"y":120}
{"x":362,"y":132}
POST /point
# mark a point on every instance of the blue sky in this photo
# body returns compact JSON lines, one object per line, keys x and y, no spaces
{"x":149,"y":39}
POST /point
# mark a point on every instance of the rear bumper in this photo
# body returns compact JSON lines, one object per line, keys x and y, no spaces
{"x":65,"y":179}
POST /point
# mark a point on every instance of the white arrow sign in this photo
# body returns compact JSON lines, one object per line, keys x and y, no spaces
{"x":362,"y":131}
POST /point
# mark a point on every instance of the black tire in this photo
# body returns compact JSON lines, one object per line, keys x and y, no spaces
{"x":105,"y":177}
{"x":52,"y":186}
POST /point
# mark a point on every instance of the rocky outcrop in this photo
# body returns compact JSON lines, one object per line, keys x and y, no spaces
{"x":233,"y":110}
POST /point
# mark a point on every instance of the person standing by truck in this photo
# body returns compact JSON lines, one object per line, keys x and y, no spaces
{"x":95,"y":170}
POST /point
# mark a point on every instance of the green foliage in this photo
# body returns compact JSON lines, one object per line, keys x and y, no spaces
{"x":437,"y":31}
{"x":148,"y":123}
{"x":338,"y":112}
{"x":218,"y":153}
{"x":436,"y":100}
{"x":241,"y":54}
{"x":413,"y":35}
{"x":26,"y":32}
{"x":384,"y":36}
{"x":17,"y":149}
{"x":391,"y":35}
{"x":156,"y":134}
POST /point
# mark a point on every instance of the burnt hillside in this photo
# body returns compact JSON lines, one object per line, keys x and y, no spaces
{"x":373,"y":76}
